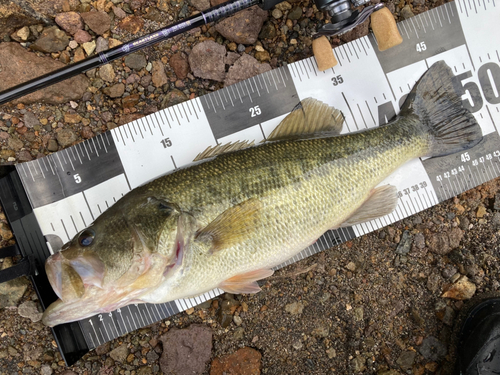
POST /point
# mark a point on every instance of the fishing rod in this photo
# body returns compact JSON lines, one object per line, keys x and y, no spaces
{"x":342,"y":20}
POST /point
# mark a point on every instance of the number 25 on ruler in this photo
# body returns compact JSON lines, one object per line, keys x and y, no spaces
{"x":255,"y":111}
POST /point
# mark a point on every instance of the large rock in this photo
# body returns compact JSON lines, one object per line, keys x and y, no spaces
{"x":245,"y":361}
{"x":70,"y":22}
{"x":52,"y":40}
{"x":23,"y":66}
{"x":13,"y":16}
{"x":243,"y":27}
{"x":186,"y":351}
{"x":245,"y":67}
{"x":207,"y":61}
{"x":99,"y":22}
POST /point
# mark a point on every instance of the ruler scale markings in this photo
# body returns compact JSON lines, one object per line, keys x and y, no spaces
{"x":248,"y":91}
{"x":414,"y":28}
{"x":114,"y":324}
{"x":475,"y":7}
{"x":422,"y":22}
{"x":184,"y":108}
{"x":106,"y":331}
{"x":356,"y":43}
{"x":40,"y":166}
{"x":404,"y":27}
{"x":24,"y":170}
{"x":97,"y":152}
{"x":178,"y":112}
{"x":132,"y":316}
{"x":189,"y":109}
{"x":426,"y":20}
{"x":58,"y":159}
{"x":295,"y":72}
{"x":447,"y":14}
{"x":283,"y":77}
{"x":436,"y":12}
{"x":206,"y":101}
{"x":363,"y":45}
{"x":73,"y":222}
{"x":169,"y":111}
{"x":158,"y":314}
{"x":362,"y":117}
{"x":221,"y":101}
{"x":309,"y":63}
{"x":278,"y":78}
{"x":234,"y":94}
{"x":176,"y":116}
{"x":45,"y":164}
{"x":349,"y":107}
{"x":210,"y":97}
{"x":430,"y":21}
{"x":194,"y":109}
{"x":337,"y":57}
{"x":216,"y":102}
{"x":354,"y":49}
{"x":139,"y":123}
{"x":371,"y":114}
{"x":493,"y":167}
{"x":346,"y":54}
{"x":238,"y":91}
{"x":29,"y":169}
{"x":86,"y":151}
{"x":451,"y":10}
{"x":146,"y":120}
{"x":250,"y":83}
{"x":274,"y":81}
{"x":256,"y":86}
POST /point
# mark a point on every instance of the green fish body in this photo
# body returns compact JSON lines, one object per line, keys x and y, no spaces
{"x":225,"y":222}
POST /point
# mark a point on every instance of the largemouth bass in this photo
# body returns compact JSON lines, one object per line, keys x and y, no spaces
{"x":226,"y":221}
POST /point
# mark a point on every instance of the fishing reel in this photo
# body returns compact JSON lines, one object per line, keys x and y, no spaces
{"x":342,"y":19}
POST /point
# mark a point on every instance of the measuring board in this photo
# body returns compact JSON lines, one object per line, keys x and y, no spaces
{"x":49,"y":200}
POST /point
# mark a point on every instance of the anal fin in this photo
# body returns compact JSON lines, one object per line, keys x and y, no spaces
{"x":381,"y":202}
{"x":246,"y":282}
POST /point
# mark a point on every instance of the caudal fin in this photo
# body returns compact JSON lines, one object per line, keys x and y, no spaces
{"x":439,"y":108}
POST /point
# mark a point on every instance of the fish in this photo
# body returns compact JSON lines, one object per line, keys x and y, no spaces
{"x":241,"y":209}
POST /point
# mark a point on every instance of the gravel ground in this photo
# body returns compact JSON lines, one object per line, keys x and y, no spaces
{"x":361,"y":307}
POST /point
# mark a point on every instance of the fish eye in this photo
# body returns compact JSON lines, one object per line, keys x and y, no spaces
{"x":86,"y":237}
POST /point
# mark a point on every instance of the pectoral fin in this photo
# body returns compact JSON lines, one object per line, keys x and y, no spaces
{"x":310,"y":117}
{"x":246,"y":282}
{"x":381,"y":202}
{"x":234,"y":225}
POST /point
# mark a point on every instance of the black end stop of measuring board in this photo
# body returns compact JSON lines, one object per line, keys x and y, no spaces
{"x":31,"y":245}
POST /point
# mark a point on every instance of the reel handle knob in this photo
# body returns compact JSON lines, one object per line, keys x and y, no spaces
{"x":323,"y":53}
{"x":385,"y":29}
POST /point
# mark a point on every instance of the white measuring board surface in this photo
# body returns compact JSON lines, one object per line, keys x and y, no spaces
{"x":69,"y":189}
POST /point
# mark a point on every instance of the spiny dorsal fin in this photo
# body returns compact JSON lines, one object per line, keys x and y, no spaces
{"x":234,"y":225}
{"x":309,"y":117}
{"x":381,"y":202}
{"x":212,"y":151}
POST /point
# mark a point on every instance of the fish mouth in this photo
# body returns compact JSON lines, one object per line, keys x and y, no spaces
{"x":85,"y":297}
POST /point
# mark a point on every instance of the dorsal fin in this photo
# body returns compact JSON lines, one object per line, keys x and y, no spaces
{"x":212,"y":151}
{"x":308,"y":118}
